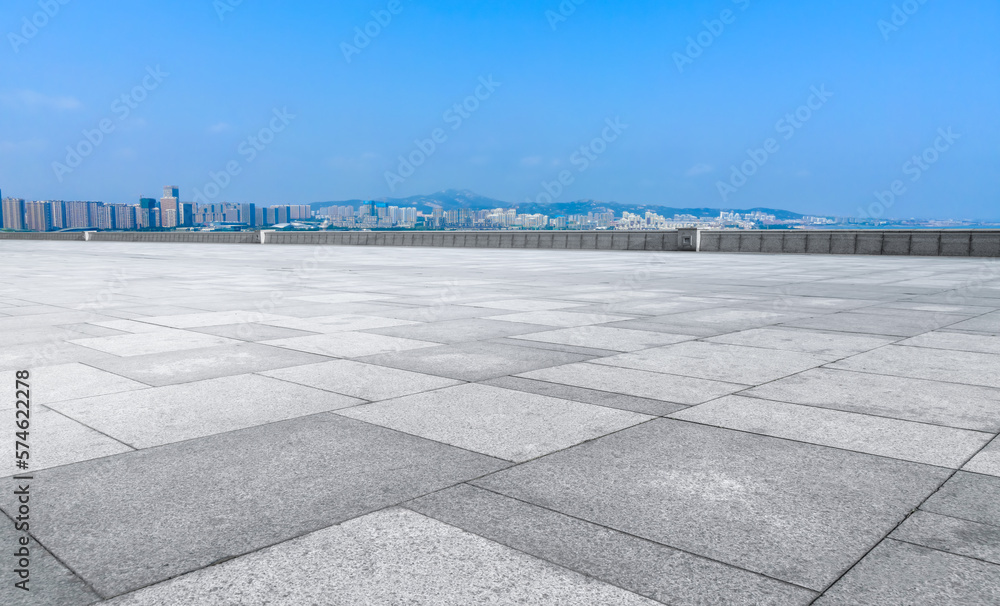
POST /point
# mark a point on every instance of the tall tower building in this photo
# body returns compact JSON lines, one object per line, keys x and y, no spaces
{"x":170,"y":209}
{"x":147,"y":216}
{"x":38,"y":216}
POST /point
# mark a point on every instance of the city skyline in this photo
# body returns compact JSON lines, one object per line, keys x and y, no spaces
{"x":852,"y":110}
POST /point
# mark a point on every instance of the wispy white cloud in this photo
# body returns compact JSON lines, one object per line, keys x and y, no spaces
{"x":33,"y":100}
{"x":699,"y":169}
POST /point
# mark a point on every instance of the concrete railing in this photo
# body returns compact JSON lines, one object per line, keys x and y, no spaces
{"x":952,"y":243}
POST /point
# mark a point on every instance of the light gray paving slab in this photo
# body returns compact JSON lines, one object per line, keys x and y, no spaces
{"x":956,"y":341}
{"x":130,"y":326}
{"x":161,"y":415}
{"x":969,"y":496}
{"x":962,"y":406}
{"x":458,"y":331}
{"x":603,"y":337}
{"x":438,"y":313}
{"x":564,"y":319}
{"x":349,"y":344}
{"x":473,"y":361}
{"x":201,"y":320}
{"x":717,"y":362}
{"x":639,"y":383}
{"x":590,"y":396}
{"x":797,"y":512}
{"x":395,"y":556}
{"x":901,"y":574}
{"x":506,"y":424}
{"x":198,"y":364}
{"x":830,"y":345}
{"x":359,"y":380}
{"x":345,"y":297}
{"x":55,"y":440}
{"x":646,"y":568}
{"x":153,"y":342}
{"x":128,"y":521}
{"x":919,"y":363}
{"x":50,"y":583}
{"x":526,"y":304}
{"x":954,"y":535}
{"x":339,"y":323}
{"x":877,"y":324}
{"x":253,"y":332}
{"x":917,"y":442}
{"x":66,"y":382}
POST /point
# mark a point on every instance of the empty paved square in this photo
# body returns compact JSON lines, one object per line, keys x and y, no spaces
{"x":368,"y":425}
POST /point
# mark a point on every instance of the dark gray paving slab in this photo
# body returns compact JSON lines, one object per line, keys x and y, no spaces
{"x":906,"y":440}
{"x":200,"y":364}
{"x":954,"y":535}
{"x":458,"y":331}
{"x":796,"y":512}
{"x":50,"y":584}
{"x":970,"y":496}
{"x":393,"y":557}
{"x":646,"y":568}
{"x":590,"y":396}
{"x":920,"y":363}
{"x":901,"y":574}
{"x":987,"y":323}
{"x":963,"y":406}
{"x":127,"y":521}
{"x":473,"y":361}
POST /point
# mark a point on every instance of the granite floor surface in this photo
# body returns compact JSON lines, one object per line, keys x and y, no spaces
{"x":231,"y":424}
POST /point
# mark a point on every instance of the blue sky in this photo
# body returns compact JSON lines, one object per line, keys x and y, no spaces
{"x":334,"y":128}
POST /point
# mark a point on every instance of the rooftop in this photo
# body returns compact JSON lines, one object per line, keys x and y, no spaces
{"x":220,"y":424}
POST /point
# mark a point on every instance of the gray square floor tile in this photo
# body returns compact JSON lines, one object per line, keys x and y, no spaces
{"x":970,"y":496}
{"x":603,"y":337}
{"x":829,"y":345}
{"x":644,"y":567}
{"x":920,"y":363}
{"x":792,"y":511}
{"x":986,"y":462}
{"x":902,"y":574}
{"x":987,"y":323}
{"x":877,"y":324}
{"x":963,"y":406}
{"x":57,"y":440}
{"x":639,"y":383}
{"x":473,"y":361}
{"x":564,"y":319}
{"x":957,"y":341}
{"x":526,"y":304}
{"x":162,"y":415}
{"x":66,"y":382}
{"x":395,"y":556}
{"x":590,"y":396}
{"x":365,"y":381}
{"x":340,"y":323}
{"x":954,"y":535}
{"x":349,"y":344}
{"x":717,"y":362}
{"x":253,"y":332}
{"x":131,"y":520}
{"x":153,"y":342}
{"x":201,"y":320}
{"x":917,"y":442}
{"x":209,"y":363}
{"x":50,"y":584}
{"x":511,"y":425}
{"x":458,"y":331}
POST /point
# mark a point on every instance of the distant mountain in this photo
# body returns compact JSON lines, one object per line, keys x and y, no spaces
{"x":453,"y":199}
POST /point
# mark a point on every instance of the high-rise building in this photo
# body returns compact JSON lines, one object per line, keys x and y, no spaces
{"x":38,"y":216}
{"x":77,"y":215}
{"x":123,"y":216}
{"x":248,"y":214}
{"x":13,"y":213}
{"x":171,"y":214}
{"x":58,"y":214}
{"x":146,"y":216}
